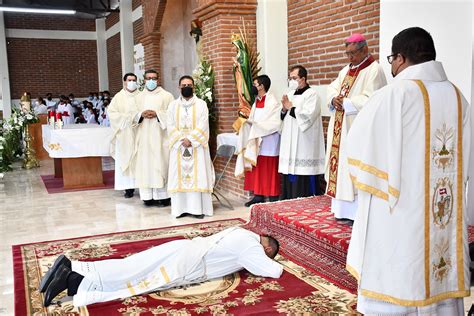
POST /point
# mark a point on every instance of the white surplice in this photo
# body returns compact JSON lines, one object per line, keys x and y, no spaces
{"x":67,"y":113}
{"x":368,"y":80}
{"x":408,"y":152}
{"x":121,"y":112}
{"x":302,"y":141}
{"x":151,"y":153}
{"x":172,"y":264}
{"x":260,"y":131}
{"x":191,"y":173}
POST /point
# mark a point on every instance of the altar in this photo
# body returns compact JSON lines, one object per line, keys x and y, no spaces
{"x":77,"y":150}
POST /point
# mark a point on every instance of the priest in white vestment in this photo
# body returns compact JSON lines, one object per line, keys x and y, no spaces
{"x":258,"y":146}
{"x":346,"y":96}
{"x":302,"y":141}
{"x":191,"y":173}
{"x":121,"y":112}
{"x":171,"y":264}
{"x":408,"y":152}
{"x":151,"y":153}
{"x":66,"y":110}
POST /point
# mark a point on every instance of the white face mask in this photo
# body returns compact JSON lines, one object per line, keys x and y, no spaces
{"x":131,"y":85}
{"x":293,"y":84}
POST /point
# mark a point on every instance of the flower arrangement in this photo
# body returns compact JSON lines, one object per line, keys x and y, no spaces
{"x":204,"y":78}
{"x":11,"y":147}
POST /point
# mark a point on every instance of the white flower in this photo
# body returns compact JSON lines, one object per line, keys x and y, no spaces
{"x":209,"y":95}
{"x":29,"y":116}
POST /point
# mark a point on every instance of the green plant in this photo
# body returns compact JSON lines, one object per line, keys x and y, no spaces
{"x":204,"y":78}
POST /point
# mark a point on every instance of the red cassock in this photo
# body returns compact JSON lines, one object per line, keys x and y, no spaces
{"x":264,"y":178}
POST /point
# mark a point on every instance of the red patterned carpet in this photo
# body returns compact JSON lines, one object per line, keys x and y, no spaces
{"x":298,"y":291}
{"x":309,"y":234}
{"x":55,"y":185}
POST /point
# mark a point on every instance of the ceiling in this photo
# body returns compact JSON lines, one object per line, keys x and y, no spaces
{"x":90,"y":9}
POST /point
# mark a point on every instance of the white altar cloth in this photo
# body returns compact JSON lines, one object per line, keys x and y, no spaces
{"x":77,"y":140}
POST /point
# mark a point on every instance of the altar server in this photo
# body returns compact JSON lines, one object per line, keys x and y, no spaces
{"x":151,"y":153}
{"x":302,"y":141}
{"x":408,"y":152}
{"x":121,"y":113}
{"x":346,"y":96}
{"x":172,"y":264}
{"x":191,"y":173}
{"x":66,"y":110}
{"x":259,"y":144}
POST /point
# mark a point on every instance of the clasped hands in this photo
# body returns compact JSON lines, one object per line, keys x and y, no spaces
{"x":287,"y":104}
{"x":149,"y":114}
{"x":186,"y":143}
{"x":338,"y":102}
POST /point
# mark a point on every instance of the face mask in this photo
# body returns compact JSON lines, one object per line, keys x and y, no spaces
{"x":49,"y":99}
{"x":91,"y":98}
{"x":151,"y":85}
{"x":131,"y":85}
{"x":293,"y":84}
{"x":254,"y":90}
{"x":187,"y":92}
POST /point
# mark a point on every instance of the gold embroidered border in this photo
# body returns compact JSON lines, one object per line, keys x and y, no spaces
{"x":203,"y":133}
{"x":131,"y":289}
{"x":199,"y":140}
{"x":426,"y":102}
{"x":191,"y":190}
{"x":368,"y":168}
{"x":459,"y":201}
{"x":372,"y":190}
{"x":394,"y":192}
{"x":179,"y":169}
{"x":195,"y":167}
{"x":417,"y":303}
{"x":353,"y":272}
{"x":165,"y":274}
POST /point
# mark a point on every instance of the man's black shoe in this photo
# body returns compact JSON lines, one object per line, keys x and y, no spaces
{"x":149,"y":202}
{"x":57,"y":285}
{"x":201,"y":216}
{"x":62,"y":260}
{"x":256,"y":199}
{"x":164,"y":203}
{"x":129,"y":193}
{"x":182,"y":215}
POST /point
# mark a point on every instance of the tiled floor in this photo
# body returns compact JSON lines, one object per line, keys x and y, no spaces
{"x":29,"y":214}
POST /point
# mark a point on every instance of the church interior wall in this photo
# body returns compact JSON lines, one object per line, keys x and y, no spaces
{"x":50,"y":64}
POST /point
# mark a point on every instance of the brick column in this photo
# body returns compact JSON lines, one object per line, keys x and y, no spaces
{"x":220,"y":19}
{"x":153,"y":11}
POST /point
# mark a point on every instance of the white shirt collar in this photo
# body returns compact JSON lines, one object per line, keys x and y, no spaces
{"x":430,"y":71}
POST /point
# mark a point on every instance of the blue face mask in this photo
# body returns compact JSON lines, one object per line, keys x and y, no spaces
{"x":91,"y":98}
{"x":151,"y":85}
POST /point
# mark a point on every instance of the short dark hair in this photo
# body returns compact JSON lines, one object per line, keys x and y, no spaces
{"x":274,"y":244}
{"x":265,"y":81}
{"x":415,"y":44}
{"x":129,"y":74}
{"x":185,"y":77}
{"x":106,"y":91}
{"x":302,"y":72}
{"x":150,"y":71}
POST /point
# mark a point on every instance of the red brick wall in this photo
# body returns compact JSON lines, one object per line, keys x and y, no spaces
{"x":57,"y":66}
{"x":317,"y":30}
{"x":112,"y":19}
{"x":114,"y":63}
{"x":47,"y":22}
{"x":136,"y":4}
{"x":137,"y":30}
{"x":220,"y":21}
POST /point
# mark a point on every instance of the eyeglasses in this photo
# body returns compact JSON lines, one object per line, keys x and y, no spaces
{"x":353,"y":52}
{"x":391,"y":58}
{"x":153,"y":78}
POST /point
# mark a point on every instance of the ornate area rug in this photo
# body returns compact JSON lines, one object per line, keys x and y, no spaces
{"x":55,"y":185}
{"x":298,"y":291}
{"x":309,"y":234}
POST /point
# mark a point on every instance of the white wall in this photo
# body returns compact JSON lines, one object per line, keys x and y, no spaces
{"x":178,"y":49}
{"x":451,"y":26}
{"x":448,"y":22}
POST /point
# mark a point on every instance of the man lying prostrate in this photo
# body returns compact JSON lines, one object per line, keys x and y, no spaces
{"x":172,"y":264}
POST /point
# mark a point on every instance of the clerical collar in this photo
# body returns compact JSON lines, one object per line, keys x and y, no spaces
{"x":302,"y":90}
{"x":186,"y":103}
